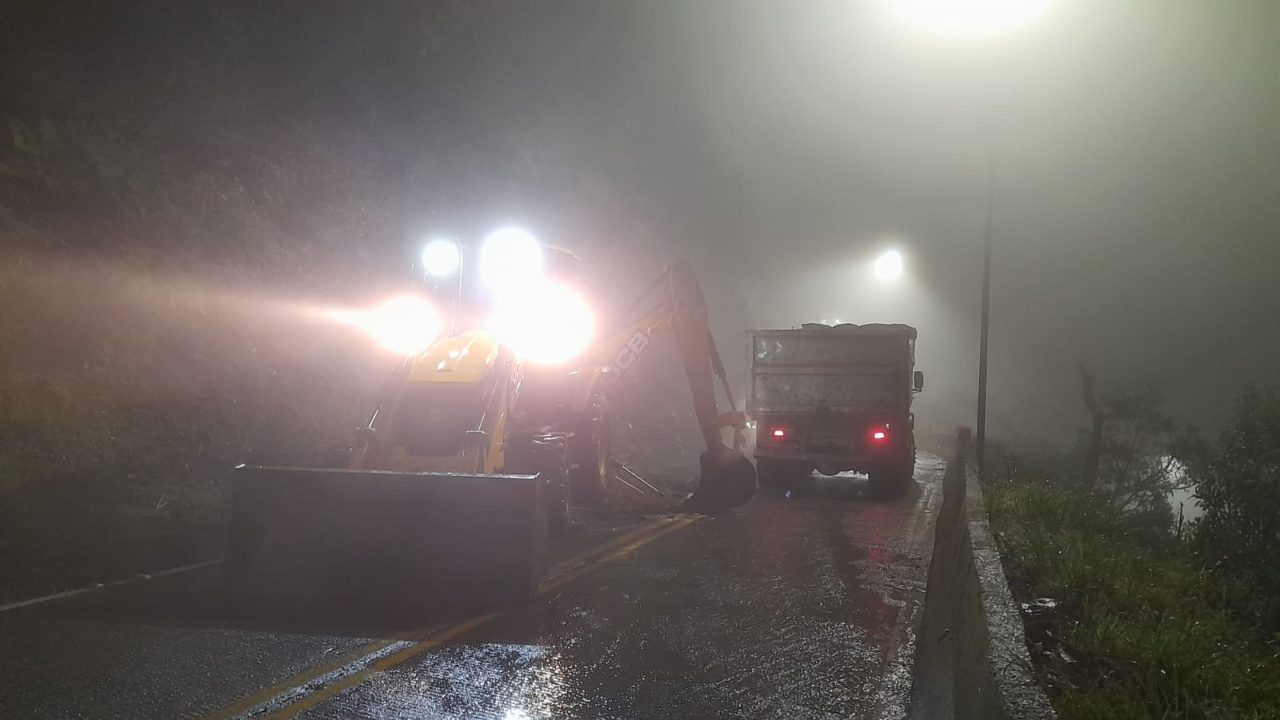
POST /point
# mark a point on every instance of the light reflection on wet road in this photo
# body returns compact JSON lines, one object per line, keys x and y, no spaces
{"x":797,"y":607}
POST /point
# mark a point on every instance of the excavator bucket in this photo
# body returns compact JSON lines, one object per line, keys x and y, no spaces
{"x":727,"y":480}
{"x":398,"y":541}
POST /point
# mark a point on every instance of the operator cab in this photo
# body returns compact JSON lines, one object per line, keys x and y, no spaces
{"x":449,"y":416}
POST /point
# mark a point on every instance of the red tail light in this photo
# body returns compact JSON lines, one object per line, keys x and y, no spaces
{"x":879,"y":435}
{"x":779,"y":433}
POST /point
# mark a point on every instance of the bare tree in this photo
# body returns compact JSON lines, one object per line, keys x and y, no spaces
{"x":1093,"y":450}
{"x":1128,"y":448}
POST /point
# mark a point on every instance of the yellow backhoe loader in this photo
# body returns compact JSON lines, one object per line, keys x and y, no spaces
{"x":468,"y":467}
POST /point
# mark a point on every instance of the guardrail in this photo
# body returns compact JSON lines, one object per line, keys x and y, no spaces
{"x":971,"y":653}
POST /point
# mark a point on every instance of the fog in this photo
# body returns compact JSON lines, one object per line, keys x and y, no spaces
{"x":1136,"y":168}
{"x":1133,"y":150}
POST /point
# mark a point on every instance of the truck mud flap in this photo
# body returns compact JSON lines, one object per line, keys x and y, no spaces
{"x":397,"y":541}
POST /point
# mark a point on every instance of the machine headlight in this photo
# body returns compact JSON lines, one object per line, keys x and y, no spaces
{"x":510,"y":260}
{"x":406,"y":325}
{"x":441,"y":258}
{"x":546,"y":323}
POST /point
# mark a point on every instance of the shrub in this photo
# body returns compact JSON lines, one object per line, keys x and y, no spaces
{"x":1137,"y":632}
{"x":1238,"y":487}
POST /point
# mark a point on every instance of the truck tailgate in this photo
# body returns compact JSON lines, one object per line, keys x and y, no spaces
{"x":861,"y":390}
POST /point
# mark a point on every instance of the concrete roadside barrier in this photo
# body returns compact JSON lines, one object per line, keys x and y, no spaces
{"x":971,"y":654}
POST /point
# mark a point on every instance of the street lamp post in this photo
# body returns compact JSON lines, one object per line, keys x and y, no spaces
{"x":986,"y":311}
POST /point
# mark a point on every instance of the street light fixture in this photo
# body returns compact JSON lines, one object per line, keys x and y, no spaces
{"x":888,"y":266}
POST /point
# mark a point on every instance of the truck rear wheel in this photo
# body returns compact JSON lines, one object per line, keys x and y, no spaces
{"x":774,"y":473}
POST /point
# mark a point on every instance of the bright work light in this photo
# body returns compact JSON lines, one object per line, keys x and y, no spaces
{"x":441,"y":258}
{"x":545,"y":323}
{"x":510,"y":259}
{"x":405,"y":325}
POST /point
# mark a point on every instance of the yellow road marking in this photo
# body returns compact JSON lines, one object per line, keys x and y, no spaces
{"x":645,"y":536}
{"x":623,"y":545}
{"x":310,"y":701}
{"x":301,"y":679}
{"x":576,"y":567}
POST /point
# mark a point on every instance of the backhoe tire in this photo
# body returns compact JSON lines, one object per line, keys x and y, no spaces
{"x":781,"y":474}
{"x":589,"y":454}
{"x":546,"y":456}
{"x":559,"y":499}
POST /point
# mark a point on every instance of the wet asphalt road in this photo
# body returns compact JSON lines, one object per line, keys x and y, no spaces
{"x":792,"y":607}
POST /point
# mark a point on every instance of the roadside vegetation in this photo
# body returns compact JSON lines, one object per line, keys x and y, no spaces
{"x":1132,"y":611}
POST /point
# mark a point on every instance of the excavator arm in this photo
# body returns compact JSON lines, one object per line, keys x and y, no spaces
{"x":728,"y":478}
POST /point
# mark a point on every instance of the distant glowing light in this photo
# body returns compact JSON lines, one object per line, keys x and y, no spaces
{"x":544,"y":323}
{"x":405,"y":325}
{"x":889,"y":265}
{"x":510,"y":260}
{"x":970,"y":17}
{"x":779,"y":433}
{"x":878,"y":435}
{"x":441,"y":258}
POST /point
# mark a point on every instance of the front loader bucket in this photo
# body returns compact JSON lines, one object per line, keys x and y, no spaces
{"x":401,"y":541}
{"x":727,"y":480}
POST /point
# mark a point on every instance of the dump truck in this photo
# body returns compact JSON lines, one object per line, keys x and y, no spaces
{"x":834,"y":399}
{"x":470,"y":461}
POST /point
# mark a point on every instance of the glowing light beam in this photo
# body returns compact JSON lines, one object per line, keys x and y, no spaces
{"x":547,"y":323}
{"x":889,"y":265}
{"x":970,"y":17}
{"x":405,"y":325}
{"x":441,"y":258}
